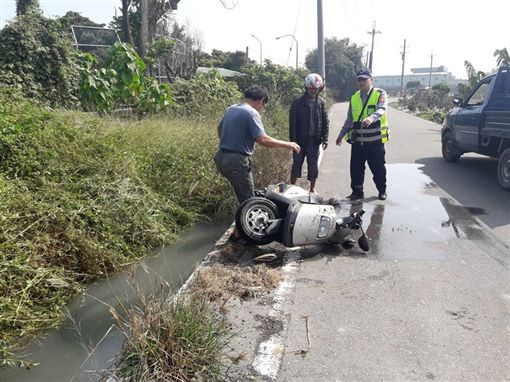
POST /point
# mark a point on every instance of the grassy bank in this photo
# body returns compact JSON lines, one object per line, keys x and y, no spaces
{"x":84,"y":196}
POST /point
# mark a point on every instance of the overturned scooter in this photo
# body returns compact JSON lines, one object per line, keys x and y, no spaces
{"x":290,"y":215}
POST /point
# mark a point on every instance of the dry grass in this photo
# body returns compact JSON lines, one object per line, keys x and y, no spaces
{"x":221,"y":282}
{"x":172,"y":340}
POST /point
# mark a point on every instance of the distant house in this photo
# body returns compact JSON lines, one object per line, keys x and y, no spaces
{"x":439,"y":74}
{"x":227,"y":73}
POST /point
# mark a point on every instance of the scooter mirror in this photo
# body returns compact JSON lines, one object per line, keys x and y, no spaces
{"x":363,"y":243}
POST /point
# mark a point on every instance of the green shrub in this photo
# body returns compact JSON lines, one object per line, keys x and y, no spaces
{"x":38,"y":59}
{"x":207,"y":94}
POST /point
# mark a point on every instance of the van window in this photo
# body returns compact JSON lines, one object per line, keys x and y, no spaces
{"x":479,"y":95}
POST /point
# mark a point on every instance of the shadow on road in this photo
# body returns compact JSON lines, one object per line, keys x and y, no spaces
{"x":473,"y":183}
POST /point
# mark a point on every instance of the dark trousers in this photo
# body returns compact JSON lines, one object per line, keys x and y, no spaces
{"x":237,"y":169}
{"x":372,"y":153}
{"x":311,"y":152}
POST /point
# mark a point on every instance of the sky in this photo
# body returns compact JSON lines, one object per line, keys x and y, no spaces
{"x":451,"y":31}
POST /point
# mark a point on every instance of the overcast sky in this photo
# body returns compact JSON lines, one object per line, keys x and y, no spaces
{"x":453,"y":31}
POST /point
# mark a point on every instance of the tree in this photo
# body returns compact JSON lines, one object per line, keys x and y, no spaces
{"x":126,"y":28}
{"x":228,"y":60}
{"x":413,"y":85}
{"x":24,"y":6}
{"x":342,"y":60}
{"x":474,"y":77}
{"x":503,"y":59}
{"x":144,"y":26}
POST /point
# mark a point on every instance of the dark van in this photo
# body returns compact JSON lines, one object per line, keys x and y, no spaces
{"x":481,"y":124}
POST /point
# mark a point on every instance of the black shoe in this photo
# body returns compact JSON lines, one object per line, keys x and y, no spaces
{"x":382,"y":196}
{"x":355,"y":196}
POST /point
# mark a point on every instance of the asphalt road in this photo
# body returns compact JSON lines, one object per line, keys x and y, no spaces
{"x":431,"y":299}
{"x":472,"y":182}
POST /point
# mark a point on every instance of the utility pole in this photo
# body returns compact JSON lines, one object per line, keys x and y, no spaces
{"x":372,"y":32}
{"x":247,"y":57}
{"x":430,"y":74}
{"x":402,"y":76}
{"x":321,"y":66}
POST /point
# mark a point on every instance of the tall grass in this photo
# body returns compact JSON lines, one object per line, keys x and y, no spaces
{"x":83,"y":196}
{"x":172,"y":340}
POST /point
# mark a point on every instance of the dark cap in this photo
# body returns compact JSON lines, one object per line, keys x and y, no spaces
{"x":364,"y":73}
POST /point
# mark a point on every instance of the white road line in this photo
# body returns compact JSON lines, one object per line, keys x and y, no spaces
{"x":269,"y":354}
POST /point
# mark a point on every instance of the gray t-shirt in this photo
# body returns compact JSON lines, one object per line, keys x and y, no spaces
{"x":240,"y":126}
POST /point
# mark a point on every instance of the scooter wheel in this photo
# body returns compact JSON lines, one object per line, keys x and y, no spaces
{"x":252,"y":220}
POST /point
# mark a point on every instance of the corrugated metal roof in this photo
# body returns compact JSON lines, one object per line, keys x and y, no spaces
{"x":224,"y":72}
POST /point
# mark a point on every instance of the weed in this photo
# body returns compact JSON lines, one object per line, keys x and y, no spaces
{"x":172,"y":340}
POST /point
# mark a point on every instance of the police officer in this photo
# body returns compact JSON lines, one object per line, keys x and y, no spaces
{"x":366,"y":127}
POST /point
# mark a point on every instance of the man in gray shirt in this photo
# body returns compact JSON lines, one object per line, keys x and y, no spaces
{"x":239,"y":129}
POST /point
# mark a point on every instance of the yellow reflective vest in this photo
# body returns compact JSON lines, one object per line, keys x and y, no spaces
{"x":377,"y":131}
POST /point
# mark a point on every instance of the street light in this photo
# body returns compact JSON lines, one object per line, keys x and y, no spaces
{"x":260,"y":43}
{"x":297,"y":46}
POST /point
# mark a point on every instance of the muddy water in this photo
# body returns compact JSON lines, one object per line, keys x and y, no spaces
{"x":87,"y":341}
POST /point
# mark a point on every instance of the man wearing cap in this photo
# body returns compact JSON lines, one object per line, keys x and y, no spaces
{"x":366,"y":127}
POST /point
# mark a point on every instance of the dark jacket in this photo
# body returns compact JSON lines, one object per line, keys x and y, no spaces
{"x":299,"y":121}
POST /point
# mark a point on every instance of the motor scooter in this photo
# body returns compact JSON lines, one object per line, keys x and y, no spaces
{"x":292,"y":216}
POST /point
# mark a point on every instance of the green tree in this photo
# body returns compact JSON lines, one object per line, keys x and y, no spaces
{"x":474,"y":76}
{"x":502,"y":57}
{"x":342,"y":60}
{"x":38,"y":58}
{"x":24,"y":6}
{"x":413,"y":85}
{"x":228,"y":60}
{"x":283,"y":83}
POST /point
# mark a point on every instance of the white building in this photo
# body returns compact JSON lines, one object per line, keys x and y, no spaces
{"x":440,"y":74}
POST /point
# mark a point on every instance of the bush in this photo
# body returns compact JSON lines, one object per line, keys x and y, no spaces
{"x":283,"y":84}
{"x":207,"y":94}
{"x":38,"y":59}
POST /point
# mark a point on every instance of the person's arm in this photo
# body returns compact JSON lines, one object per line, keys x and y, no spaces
{"x":382,"y":105}
{"x":346,"y":127}
{"x":267,"y":141}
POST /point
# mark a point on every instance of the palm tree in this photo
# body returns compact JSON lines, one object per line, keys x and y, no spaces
{"x":503,"y":59}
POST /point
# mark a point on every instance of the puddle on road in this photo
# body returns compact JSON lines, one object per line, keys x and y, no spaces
{"x":418,"y":221}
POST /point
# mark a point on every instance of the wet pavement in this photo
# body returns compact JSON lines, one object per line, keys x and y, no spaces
{"x":429,"y":301}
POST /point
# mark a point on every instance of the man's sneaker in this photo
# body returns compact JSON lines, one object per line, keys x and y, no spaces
{"x":382,"y":196}
{"x":355,"y":196}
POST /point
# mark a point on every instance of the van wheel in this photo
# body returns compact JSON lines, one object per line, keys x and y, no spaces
{"x":449,"y":148}
{"x":504,"y":170}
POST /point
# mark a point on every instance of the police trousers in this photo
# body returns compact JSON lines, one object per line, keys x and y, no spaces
{"x":373,"y":154}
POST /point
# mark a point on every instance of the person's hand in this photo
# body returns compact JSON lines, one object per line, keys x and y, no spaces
{"x":339,"y":141}
{"x":324,"y":145}
{"x":366,"y":122}
{"x":294,"y":147}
